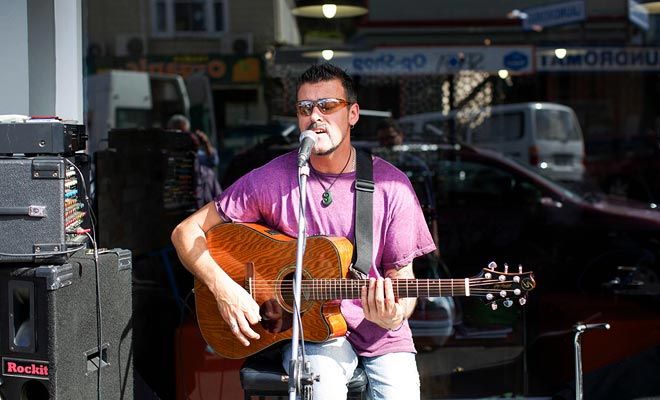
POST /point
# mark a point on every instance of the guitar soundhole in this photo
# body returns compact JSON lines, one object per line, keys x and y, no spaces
{"x":277,"y":314}
{"x":274,"y":318}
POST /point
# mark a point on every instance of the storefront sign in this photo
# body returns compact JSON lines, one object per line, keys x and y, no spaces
{"x":600,"y":59}
{"x":435,"y":60}
{"x":553,"y":15}
{"x":220,"y":69}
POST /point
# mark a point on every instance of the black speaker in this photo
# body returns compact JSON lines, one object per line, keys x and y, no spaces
{"x":49,"y":340}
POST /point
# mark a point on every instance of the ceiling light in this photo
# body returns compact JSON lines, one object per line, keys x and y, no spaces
{"x":560,"y":53}
{"x":329,"y":10}
{"x":325,"y":9}
{"x":327,"y":54}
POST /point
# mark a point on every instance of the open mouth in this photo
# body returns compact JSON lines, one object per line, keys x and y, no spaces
{"x":318,"y":129}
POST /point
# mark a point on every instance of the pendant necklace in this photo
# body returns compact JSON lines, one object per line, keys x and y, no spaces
{"x":327,"y":195}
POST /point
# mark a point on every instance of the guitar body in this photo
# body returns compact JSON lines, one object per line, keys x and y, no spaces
{"x":263,"y":261}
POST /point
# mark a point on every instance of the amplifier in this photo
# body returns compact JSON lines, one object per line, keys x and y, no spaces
{"x":42,"y":138}
{"x":40,"y":210}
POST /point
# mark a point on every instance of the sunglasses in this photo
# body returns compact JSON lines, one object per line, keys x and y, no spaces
{"x":326,"y":106}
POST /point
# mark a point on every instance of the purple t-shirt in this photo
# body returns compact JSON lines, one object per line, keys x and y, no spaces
{"x":270,"y":194}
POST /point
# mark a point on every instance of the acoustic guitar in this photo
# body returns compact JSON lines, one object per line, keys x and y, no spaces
{"x":263,"y":261}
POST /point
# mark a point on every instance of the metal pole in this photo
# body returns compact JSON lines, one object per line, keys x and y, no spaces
{"x":579,"y":329}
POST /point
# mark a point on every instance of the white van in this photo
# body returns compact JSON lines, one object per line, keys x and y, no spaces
{"x":131,"y":99}
{"x":544,"y":135}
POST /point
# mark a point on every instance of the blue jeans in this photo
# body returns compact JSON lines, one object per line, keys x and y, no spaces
{"x":391,"y":376}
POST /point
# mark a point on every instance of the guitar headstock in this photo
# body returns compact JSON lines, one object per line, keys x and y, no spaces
{"x":502,"y":286}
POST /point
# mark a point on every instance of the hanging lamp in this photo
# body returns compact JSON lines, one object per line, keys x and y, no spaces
{"x":329,"y":9}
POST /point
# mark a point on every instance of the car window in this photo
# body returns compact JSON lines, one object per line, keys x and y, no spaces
{"x":469,"y":182}
{"x":499,"y":128}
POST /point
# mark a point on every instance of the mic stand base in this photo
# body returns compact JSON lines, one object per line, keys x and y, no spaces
{"x":303,"y":380}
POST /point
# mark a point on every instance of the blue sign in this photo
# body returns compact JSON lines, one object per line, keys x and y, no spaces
{"x":516,"y":61}
{"x":554,"y":14}
{"x":638,"y":15}
{"x":438,"y":60}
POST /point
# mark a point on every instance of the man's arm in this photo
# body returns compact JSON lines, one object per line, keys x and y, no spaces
{"x":379,"y":304}
{"x":236,"y":306}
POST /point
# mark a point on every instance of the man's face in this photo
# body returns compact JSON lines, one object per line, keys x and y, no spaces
{"x":332,"y":127}
{"x":390,"y":137}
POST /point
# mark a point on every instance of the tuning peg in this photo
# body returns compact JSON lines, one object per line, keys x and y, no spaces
{"x":520,"y":268}
{"x":507,"y":303}
{"x":492,"y":265}
{"x":522,"y":301}
{"x":493,"y":306}
{"x":506,"y":268}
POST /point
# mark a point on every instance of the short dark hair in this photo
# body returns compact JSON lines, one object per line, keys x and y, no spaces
{"x":326,"y":72}
{"x":388,"y":123}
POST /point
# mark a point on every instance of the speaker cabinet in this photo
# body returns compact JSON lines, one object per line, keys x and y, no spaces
{"x":52,"y":343}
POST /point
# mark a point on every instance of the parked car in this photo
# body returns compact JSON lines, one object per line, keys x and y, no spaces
{"x":489,"y":206}
{"x":595,"y":258}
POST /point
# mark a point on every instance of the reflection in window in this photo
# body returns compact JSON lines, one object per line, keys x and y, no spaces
{"x":499,"y":128}
{"x":557,"y":125}
{"x":189,"y":17}
{"x":160,"y":17}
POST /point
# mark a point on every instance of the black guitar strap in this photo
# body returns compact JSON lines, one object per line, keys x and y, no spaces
{"x":364,"y":189}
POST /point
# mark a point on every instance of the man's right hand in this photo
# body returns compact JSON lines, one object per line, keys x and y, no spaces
{"x":238,"y":309}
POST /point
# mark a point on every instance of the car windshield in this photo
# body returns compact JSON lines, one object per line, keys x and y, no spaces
{"x":556,"y":125}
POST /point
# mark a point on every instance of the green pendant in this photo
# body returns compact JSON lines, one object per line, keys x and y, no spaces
{"x":327,"y":198}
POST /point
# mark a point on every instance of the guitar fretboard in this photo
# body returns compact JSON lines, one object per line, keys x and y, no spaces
{"x":335,"y":289}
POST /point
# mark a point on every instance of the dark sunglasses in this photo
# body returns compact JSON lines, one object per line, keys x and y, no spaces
{"x":326,"y":106}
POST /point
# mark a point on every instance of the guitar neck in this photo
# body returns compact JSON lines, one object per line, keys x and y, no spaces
{"x":336,"y":289}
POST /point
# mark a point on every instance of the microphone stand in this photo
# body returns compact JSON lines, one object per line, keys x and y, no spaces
{"x":578,"y":330}
{"x":300,"y":379}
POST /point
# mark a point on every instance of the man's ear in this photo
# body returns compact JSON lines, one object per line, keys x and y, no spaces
{"x":354,"y":114}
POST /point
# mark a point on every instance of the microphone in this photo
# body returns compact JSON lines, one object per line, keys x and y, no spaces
{"x":308,"y":140}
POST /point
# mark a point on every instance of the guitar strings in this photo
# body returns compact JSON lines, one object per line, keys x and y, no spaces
{"x":333,"y":285}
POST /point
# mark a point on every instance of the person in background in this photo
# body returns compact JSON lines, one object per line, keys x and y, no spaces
{"x":207,"y":185}
{"x":378,"y":337}
{"x":389,"y":133}
{"x":206,"y":153}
